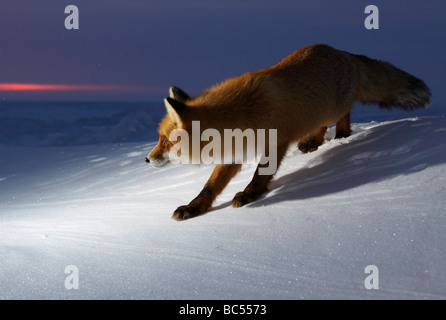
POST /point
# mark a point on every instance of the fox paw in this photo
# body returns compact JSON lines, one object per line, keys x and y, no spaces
{"x":308,"y":146}
{"x":242,"y":198}
{"x":343,"y":134}
{"x":186,"y":212}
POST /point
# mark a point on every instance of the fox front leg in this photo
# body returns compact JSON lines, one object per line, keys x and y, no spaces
{"x":259,"y":183}
{"x":196,"y":207}
{"x":254,"y":190}
{"x":219,"y":179}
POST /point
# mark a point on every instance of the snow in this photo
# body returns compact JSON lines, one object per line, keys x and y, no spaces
{"x":75,"y":191}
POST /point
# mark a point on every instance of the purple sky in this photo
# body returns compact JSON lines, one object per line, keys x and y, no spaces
{"x":194,"y":44}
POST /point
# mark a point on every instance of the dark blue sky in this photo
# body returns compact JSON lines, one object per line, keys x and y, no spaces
{"x":194,"y":44}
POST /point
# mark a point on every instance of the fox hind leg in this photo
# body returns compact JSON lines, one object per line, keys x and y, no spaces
{"x":343,"y":129}
{"x":311,"y":142}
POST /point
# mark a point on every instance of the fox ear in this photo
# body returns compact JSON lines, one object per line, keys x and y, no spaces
{"x":178,"y":94}
{"x":175,"y":109}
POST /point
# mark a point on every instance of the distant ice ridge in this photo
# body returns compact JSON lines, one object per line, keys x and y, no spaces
{"x":76,"y":123}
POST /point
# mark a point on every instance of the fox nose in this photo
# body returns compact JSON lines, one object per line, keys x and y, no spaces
{"x":147,"y":160}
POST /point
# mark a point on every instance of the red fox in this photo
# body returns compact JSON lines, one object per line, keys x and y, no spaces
{"x":312,"y":88}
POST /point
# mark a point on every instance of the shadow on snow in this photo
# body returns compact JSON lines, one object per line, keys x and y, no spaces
{"x":381,"y":152}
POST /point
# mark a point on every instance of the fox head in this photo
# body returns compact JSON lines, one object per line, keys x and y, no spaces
{"x":175,"y":107}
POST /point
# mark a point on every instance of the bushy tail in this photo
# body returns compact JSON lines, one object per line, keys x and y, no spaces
{"x":386,"y":85}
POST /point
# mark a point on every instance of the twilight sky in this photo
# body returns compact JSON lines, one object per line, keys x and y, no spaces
{"x":135,"y":49}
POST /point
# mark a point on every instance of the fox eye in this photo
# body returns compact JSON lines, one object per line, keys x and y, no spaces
{"x":166,"y":141}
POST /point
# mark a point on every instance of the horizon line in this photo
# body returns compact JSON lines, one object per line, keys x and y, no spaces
{"x":17,"y":86}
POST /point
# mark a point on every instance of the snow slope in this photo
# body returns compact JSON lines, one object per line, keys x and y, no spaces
{"x":375,"y":198}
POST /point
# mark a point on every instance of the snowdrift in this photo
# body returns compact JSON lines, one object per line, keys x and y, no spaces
{"x":375,"y":198}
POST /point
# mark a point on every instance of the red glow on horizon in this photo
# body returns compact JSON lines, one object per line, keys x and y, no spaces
{"x":51,"y":87}
{"x":72,"y":87}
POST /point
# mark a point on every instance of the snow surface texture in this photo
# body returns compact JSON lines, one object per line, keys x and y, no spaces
{"x":375,"y":198}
